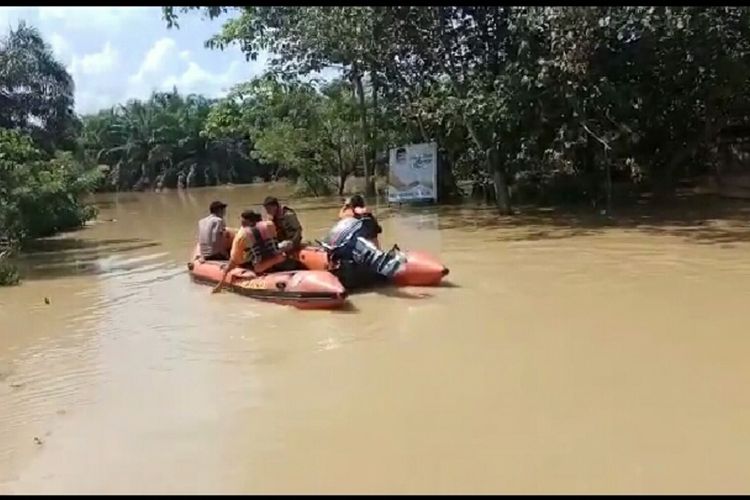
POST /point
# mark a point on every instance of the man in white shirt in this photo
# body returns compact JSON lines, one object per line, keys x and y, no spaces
{"x":211,"y":239}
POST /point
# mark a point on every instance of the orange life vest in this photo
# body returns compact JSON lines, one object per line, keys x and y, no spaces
{"x":347,"y":211}
{"x":263,"y":246}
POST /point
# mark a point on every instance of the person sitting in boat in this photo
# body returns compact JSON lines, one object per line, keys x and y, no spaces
{"x":211,"y":233}
{"x":285,"y":219}
{"x":355,"y":207}
{"x":255,"y":246}
{"x":351,"y":239}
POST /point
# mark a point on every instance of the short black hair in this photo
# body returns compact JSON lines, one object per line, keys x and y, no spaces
{"x":251,"y":216}
{"x":357,"y":201}
{"x":270,"y":200}
{"x":216,"y":207}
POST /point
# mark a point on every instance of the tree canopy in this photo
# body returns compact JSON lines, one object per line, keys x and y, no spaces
{"x":541,"y":103}
{"x":36,"y":91}
{"x":525,"y":95}
{"x":42,"y":175}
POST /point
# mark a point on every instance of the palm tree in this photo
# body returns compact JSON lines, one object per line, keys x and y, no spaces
{"x":36,"y":91}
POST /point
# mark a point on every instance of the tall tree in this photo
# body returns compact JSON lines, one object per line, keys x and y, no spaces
{"x":36,"y":91}
{"x":311,"y":39}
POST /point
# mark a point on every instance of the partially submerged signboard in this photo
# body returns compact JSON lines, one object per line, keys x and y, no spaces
{"x":412,"y":175}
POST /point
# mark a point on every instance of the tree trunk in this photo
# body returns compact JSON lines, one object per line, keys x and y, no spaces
{"x":502,"y":191}
{"x":494,"y":165}
{"x":664,"y":179}
{"x":343,"y":173}
{"x":342,"y":183}
{"x":422,"y":130}
{"x":608,"y":181}
{"x":447,"y":187}
{"x":375,"y":123}
{"x":365,"y":132}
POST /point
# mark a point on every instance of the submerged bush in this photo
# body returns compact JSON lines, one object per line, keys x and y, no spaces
{"x":40,"y":195}
{"x":9,"y":274}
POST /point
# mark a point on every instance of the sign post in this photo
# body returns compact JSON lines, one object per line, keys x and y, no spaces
{"x":412,"y":173}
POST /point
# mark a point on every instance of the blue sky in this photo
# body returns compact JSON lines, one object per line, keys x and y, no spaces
{"x":118,"y":53}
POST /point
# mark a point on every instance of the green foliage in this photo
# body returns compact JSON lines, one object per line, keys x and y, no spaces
{"x":591,"y":95}
{"x":308,"y":40}
{"x":36,"y":92}
{"x":42,"y":177}
{"x":150,"y":144}
{"x":40,"y":195}
{"x":9,"y":274}
{"x":306,"y":133}
{"x":266,"y":128}
{"x":542,"y":102}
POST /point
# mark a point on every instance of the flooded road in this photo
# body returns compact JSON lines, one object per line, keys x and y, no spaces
{"x":566,"y":356}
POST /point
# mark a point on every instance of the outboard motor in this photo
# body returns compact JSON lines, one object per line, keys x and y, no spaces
{"x":345,"y":242}
{"x":364,"y":252}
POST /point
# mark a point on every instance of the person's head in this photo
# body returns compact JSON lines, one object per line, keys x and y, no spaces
{"x":356,"y":201}
{"x":249,"y":218}
{"x":400,"y":155}
{"x":218,"y":208}
{"x":271,"y":204}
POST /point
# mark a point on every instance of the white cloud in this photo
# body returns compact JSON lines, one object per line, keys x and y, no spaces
{"x":161,"y":60}
{"x":92,"y":18}
{"x":98,"y":63}
{"x":165,"y":66}
{"x":91,"y":101}
{"x":60,"y":46}
{"x":55,"y":13}
{"x":196,"y":79}
{"x":120,"y":53}
{"x":162,"y":50}
{"x":193,"y":75}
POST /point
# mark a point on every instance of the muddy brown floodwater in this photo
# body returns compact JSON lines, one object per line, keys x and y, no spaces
{"x":568,"y":355}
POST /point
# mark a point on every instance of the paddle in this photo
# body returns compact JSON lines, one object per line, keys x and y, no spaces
{"x":228,"y":267}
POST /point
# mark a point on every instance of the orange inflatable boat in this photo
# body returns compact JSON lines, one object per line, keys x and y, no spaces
{"x":317,"y":289}
{"x":420,"y":269}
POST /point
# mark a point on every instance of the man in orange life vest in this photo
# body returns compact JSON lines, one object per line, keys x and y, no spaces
{"x":355,"y":207}
{"x":354,"y":237}
{"x":255,"y":246}
{"x":285,"y":219}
